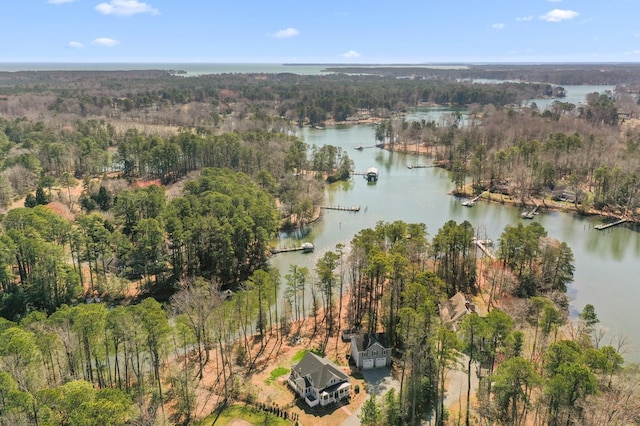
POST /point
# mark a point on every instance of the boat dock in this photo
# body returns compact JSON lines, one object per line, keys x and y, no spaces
{"x":470,"y":202}
{"x":609,"y":225}
{"x":345,"y":209}
{"x":305,"y":247}
{"x":530,"y":214}
{"x":360,"y":148}
{"x":419,"y":166}
{"x":483,"y":245}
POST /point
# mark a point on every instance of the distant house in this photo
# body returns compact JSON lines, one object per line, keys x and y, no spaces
{"x":226,"y":294}
{"x":319,"y":381}
{"x":370,"y":350}
{"x":455,"y":308}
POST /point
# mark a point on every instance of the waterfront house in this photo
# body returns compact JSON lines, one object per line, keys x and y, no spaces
{"x":319,"y":381}
{"x":370,"y":350}
{"x":455,"y":308}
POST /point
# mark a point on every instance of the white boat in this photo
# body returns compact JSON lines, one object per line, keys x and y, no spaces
{"x":468,"y":203}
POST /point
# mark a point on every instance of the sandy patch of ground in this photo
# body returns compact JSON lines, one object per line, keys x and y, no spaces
{"x":238,"y":422}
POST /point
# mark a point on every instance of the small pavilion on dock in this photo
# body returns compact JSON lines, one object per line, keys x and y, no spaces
{"x":371,"y":175}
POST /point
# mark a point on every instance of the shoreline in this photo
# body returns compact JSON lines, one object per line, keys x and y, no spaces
{"x":494,"y":197}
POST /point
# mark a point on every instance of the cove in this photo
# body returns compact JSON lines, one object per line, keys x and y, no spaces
{"x":606,"y":262}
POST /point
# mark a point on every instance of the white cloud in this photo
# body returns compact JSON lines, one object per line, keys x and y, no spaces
{"x":557,"y":15}
{"x":105,"y":41}
{"x":499,"y":26}
{"x":525,"y":18}
{"x":59,"y":1}
{"x":125,"y":8}
{"x":75,"y":44}
{"x":352,"y":54}
{"x":286,"y":33}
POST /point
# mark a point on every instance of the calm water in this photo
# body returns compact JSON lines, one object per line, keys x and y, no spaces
{"x":575,"y":94}
{"x":443,"y":115}
{"x":605,"y":261}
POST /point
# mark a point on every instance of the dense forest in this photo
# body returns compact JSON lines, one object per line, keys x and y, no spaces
{"x":139,"y":209}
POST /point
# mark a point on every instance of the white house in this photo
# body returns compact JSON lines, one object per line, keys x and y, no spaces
{"x":319,"y":381}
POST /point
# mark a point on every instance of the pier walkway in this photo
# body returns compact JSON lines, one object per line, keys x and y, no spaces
{"x":305,"y":247}
{"x":345,"y":209}
{"x":609,"y":225}
{"x":470,"y":202}
{"x":482,"y":245}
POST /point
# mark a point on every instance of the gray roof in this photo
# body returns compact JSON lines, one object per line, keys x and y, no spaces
{"x":455,"y":308}
{"x":365,"y":341}
{"x":320,"y":370}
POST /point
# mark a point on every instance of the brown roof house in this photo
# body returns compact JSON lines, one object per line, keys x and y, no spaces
{"x":370,"y":350}
{"x":318,"y":381}
{"x":455,"y":308}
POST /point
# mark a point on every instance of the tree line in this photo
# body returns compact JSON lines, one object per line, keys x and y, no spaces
{"x":533,"y":361}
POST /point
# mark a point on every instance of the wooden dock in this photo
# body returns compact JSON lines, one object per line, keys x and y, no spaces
{"x":305,"y":247}
{"x":530,"y":214}
{"x":360,"y":148}
{"x":419,"y":166}
{"x":482,"y":245}
{"x":609,"y":225}
{"x":344,"y":209}
{"x":470,"y":202}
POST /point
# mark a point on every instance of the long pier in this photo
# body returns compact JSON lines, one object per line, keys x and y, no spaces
{"x":306,"y":247}
{"x":471,"y":202}
{"x":482,"y":245}
{"x":285,"y":250}
{"x":609,"y":225}
{"x":345,"y":209}
{"x":419,"y":166}
{"x":360,"y":148}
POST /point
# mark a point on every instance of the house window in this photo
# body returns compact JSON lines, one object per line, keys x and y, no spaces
{"x":384,"y":352}
{"x":374,"y":353}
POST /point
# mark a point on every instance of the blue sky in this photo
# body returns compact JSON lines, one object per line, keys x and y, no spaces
{"x":325,"y":31}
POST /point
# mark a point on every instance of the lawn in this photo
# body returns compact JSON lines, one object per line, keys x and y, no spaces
{"x":249,"y":414}
{"x":277,"y":372}
{"x":298,"y":356}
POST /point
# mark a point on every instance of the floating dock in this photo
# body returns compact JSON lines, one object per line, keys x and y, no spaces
{"x":344,"y":209}
{"x":609,"y":225}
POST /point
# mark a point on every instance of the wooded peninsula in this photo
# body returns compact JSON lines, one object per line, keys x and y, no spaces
{"x":140,"y":208}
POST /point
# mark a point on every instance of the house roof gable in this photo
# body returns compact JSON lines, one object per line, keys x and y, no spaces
{"x":320,"y":370}
{"x":364,"y":342}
